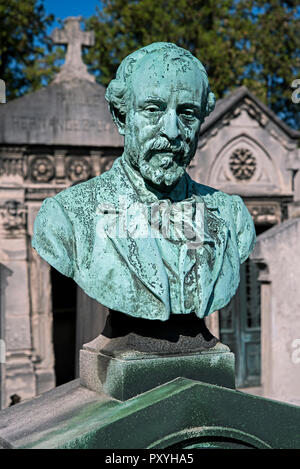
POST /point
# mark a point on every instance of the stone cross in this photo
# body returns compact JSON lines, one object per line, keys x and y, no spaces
{"x":74,"y":39}
{"x":2,"y":92}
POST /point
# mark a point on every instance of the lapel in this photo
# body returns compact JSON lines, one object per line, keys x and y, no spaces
{"x":216,"y":232}
{"x":143,"y":258}
{"x":140,"y":254}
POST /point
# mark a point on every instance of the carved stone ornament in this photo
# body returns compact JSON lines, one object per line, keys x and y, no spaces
{"x":14,"y":215}
{"x":42,"y":169}
{"x":74,"y":39}
{"x":242,"y":164}
{"x":78,"y":169}
{"x":265,"y":213}
{"x":11,"y":167}
{"x":106,"y":163}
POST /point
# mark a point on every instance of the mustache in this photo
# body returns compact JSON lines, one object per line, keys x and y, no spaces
{"x":161,"y":144}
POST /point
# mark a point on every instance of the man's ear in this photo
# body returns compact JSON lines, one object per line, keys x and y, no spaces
{"x":119,"y":119}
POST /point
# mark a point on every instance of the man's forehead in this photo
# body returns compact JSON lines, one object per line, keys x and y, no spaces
{"x":162,"y":64}
{"x":160,"y":77}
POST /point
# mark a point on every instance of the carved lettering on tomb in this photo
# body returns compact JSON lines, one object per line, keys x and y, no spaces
{"x":39,"y":123}
{"x":67,"y":98}
{"x":75,"y":125}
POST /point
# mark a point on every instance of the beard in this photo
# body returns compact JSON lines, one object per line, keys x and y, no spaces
{"x":160,"y":162}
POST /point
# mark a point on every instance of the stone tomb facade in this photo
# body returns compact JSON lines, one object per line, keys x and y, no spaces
{"x":245,"y":149}
{"x":58,"y":136}
{"x":62,"y":135}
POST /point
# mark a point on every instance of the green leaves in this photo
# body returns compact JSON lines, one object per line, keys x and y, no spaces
{"x":252,"y":43}
{"x":246,"y":42}
{"x":23,"y":42}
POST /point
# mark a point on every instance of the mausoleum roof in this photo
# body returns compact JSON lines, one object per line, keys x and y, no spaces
{"x":68,"y":112}
{"x":230,"y":102}
{"x":72,"y":110}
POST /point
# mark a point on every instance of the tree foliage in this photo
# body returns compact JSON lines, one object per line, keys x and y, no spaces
{"x":25,"y":58}
{"x":240,"y":42}
{"x":246,"y":42}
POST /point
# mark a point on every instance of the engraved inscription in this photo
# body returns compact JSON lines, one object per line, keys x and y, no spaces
{"x":93,"y":100}
{"x":37,"y":123}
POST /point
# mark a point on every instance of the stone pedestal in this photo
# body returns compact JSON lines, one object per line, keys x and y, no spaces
{"x":135,"y":355}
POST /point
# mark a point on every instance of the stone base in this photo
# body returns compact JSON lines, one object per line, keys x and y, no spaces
{"x":181,"y":414}
{"x":134,"y":355}
{"x":130,"y":373}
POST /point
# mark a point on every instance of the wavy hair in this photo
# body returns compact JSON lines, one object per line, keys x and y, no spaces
{"x":118,"y":89}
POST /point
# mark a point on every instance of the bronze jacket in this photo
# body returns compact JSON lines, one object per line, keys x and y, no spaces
{"x":72,"y":232}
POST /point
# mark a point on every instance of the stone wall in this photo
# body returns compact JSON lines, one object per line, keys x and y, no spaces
{"x":277,"y":253}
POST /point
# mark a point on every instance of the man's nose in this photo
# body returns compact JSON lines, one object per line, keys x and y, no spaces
{"x":170,"y":127}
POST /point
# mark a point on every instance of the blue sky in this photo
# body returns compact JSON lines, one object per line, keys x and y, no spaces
{"x":63,"y":8}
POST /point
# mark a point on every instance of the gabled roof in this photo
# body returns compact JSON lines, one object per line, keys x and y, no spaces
{"x":72,"y":112}
{"x":224,"y":105}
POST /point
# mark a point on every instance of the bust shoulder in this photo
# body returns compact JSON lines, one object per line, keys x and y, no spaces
{"x":215,"y":198}
{"x":232,"y":209}
{"x":87,"y":195}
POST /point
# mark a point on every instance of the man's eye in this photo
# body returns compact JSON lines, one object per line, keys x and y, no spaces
{"x":152,"y":108}
{"x":187,"y":113}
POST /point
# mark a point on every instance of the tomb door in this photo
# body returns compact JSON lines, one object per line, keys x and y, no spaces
{"x":240,"y":327}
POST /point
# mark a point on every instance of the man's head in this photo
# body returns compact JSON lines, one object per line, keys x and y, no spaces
{"x":158,"y":100}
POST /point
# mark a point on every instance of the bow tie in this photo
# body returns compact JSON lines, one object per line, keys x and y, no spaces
{"x":179,"y":222}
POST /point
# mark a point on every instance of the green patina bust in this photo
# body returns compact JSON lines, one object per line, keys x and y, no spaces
{"x":144,"y":238}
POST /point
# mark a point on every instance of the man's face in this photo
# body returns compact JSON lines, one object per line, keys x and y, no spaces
{"x":163,"y":119}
